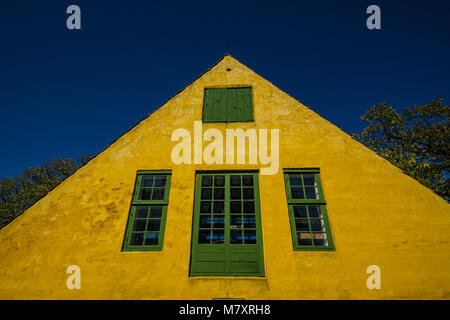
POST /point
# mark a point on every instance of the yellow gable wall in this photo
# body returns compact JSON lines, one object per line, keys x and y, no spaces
{"x":378,"y":216}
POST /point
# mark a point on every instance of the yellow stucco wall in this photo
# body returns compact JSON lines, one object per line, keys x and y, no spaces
{"x":377,"y":215}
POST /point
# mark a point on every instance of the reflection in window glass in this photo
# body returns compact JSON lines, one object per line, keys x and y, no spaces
{"x":304,"y":239}
{"x":151,"y":238}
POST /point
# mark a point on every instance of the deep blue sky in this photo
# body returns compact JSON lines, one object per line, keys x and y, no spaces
{"x":64,"y":93}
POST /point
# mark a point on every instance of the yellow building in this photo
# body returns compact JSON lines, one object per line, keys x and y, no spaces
{"x":179,"y":208}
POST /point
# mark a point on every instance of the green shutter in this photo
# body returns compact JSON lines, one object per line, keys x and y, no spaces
{"x":228,"y":105}
{"x":227,"y":238}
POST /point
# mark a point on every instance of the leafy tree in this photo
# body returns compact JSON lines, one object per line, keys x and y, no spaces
{"x":20,"y":193}
{"x":416,"y":140}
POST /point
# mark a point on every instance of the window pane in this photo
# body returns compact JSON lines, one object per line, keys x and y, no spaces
{"x":158,"y":194}
{"x":205,"y":221}
{"x":317,"y":225}
{"x":153,"y":225}
{"x":247,"y":180}
{"x":248,"y":193}
{"x":144,"y":194}
{"x":314,"y":212}
{"x":235,"y":207}
{"x":297,"y":193}
{"x":219,"y":193}
{"x":249,"y":221}
{"x":219,"y":207}
{"x":206,"y":193}
{"x":320,"y":239}
{"x":219,"y":181}
{"x":235,"y":180}
{"x":218,"y":221}
{"x":139,"y":224}
{"x":205,"y":207}
{"x":151,"y":238}
{"x":206,"y":181}
{"x":300,"y":212}
{"x":204,"y":236}
{"x":249,"y":207}
{"x":235,"y":236}
{"x":160,"y":181}
{"x":250,"y":236}
{"x":304,"y":239}
{"x":295,"y":180}
{"x":136,"y":239}
{"x":235,"y":193}
{"x":308,"y":180}
{"x":147,"y":182}
{"x":141,"y":212}
{"x":156,"y":212}
{"x":218,"y":236}
{"x":311,"y":193}
{"x":301,"y":225}
{"x":236,"y":222}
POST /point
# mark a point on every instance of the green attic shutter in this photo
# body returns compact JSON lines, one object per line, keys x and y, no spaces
{"x":228,"y":105}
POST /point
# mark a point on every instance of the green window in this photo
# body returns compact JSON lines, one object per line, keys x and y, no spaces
{"x":228,"y":105}
{"x":227,"y":238}
{"x":146,"y":223}
{"x":307,"y":210}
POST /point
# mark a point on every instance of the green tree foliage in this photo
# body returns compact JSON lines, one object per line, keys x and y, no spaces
{"x":416,"y":140}
{"x":20,"y":193}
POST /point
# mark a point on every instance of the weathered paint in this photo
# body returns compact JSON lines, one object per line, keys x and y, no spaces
{"x":378,"y":216}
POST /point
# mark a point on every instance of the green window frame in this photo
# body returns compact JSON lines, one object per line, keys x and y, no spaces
{"x":307,"y":210}
{"x":228,"y":105}
{"x":227,"y":236}
{"x":148,"y":212}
